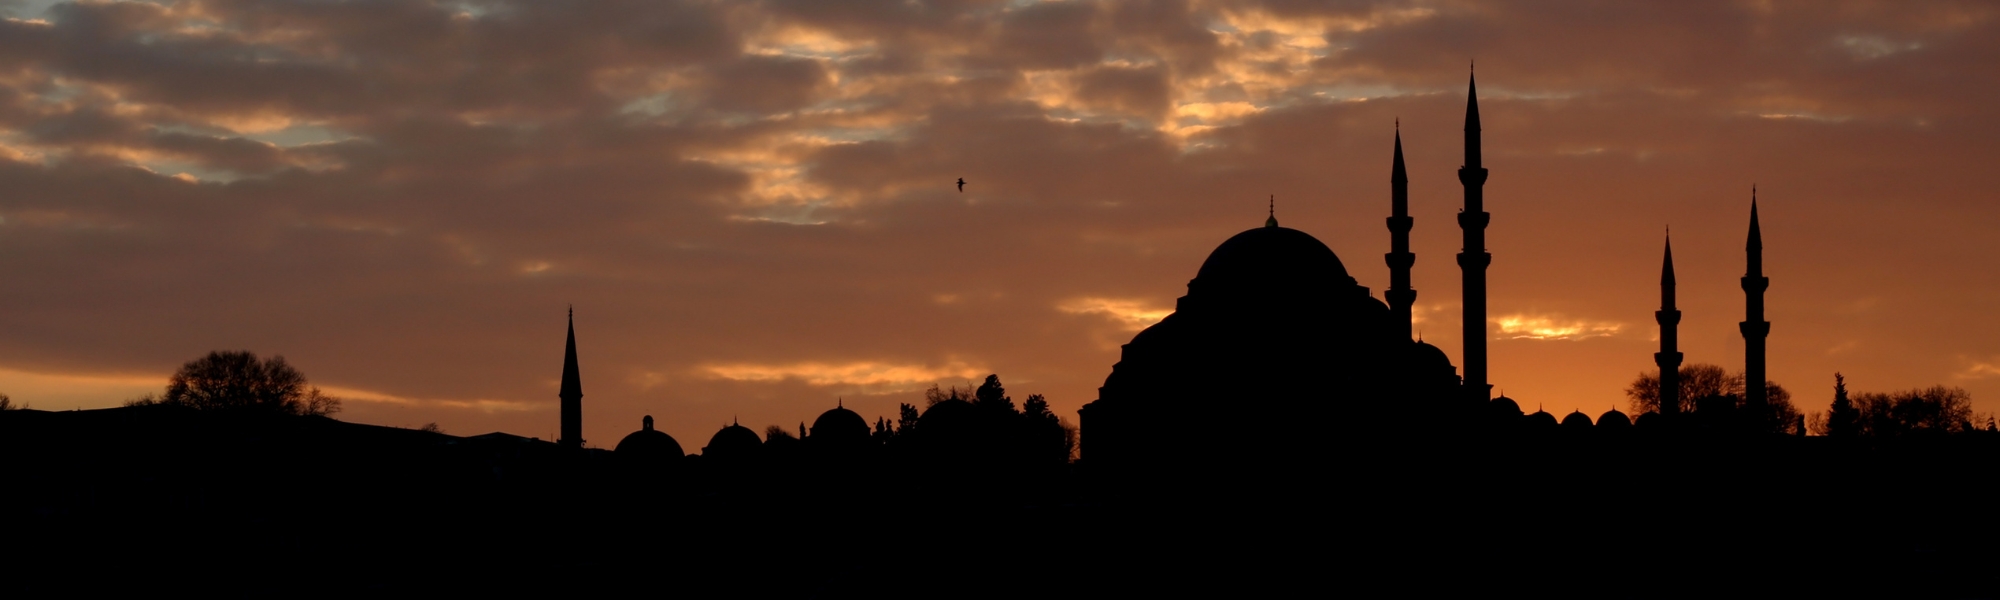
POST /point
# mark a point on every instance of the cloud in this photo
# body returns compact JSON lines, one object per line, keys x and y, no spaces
{"x":1131,"y":314}
{"x":1553,"y":327}
{"x":1979,"y":369}
{"x":873,"y":375}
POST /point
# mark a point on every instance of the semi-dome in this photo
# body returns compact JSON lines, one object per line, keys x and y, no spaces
{"x":839,"y":425}
{"x":1576,"y":419}
{"x":1272,"y":254}
{"x":732,"y":441}
{"x":1614,"y":420}
{"x":648,"y":443}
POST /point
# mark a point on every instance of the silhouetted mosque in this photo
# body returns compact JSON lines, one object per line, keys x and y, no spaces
{"x":1273,"y":319}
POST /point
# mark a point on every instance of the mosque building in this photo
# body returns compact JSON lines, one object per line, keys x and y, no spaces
{"x":1273,"y":323}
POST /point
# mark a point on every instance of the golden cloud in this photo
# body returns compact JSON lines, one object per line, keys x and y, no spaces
{"x":1553,"y":327}
{"x":867,"y":373}
{"x":1132,"y":314}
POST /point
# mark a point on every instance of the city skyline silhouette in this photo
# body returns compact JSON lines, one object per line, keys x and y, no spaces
{"x":758,"y":219}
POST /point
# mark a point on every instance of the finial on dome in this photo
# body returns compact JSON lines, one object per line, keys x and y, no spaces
{"x":1272,"y":221}
{"x":646,"y":423}
{"x":839,"y":402}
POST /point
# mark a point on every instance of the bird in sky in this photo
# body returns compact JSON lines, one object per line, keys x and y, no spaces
{"x":961,"y":185}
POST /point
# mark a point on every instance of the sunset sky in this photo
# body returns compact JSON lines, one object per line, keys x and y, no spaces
{"x":751,"y":204}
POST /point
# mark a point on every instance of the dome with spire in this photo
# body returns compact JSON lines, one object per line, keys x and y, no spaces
{"x":1541,"y":420}
{"x":1613,"y":419}
{"x":649,"y":444}
{"x":733,"y":441}
{"x":839,"y":426}
{"x":1576,"y":420}
{"x":1270,"y":256}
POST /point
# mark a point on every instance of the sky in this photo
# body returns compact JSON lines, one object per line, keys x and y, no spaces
{"x":751,"y":204}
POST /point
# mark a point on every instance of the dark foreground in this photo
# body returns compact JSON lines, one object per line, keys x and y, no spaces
{"x":251,"y":505}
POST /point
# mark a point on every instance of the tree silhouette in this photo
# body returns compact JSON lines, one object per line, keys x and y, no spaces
{"x":1707,"y":384}
{"x":7,"y":403}
{"x":225,"y":380}
{"x":1698,"y":380}
{"x":992,"y":396}
{"x":1842,"y":420}
{"x":1926,"y":411}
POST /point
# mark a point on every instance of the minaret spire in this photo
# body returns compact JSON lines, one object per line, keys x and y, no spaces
{"x":1669,"y":317}
{"x":1473,"y":257}
{"x":572,"y":391}
{"x":1755,"y":328}
{"x":1399,"y":258}
{"x":1272,"y":221}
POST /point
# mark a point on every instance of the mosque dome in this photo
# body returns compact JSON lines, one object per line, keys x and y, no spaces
{"x":1423,"y":353}
{"x":732,"y":441}
{"x":649,"y":444}
{"x":1577,"y":420}
{"x":1649,"y":421}
{"x":1271,"y":255}
{"x":1541,"y":420}
{"x":1614,"y":420}
{"x":840,"y":426}
{"x":1504,"y":407}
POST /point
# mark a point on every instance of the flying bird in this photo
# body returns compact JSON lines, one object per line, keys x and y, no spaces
{"x":961,"y":185}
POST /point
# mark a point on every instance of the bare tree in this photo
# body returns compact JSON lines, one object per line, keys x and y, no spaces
{"x":239,"y":381}
{"x":1702,"y":380}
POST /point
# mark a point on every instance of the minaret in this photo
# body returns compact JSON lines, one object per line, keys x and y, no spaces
{"x":572,"y":392}
{"x":1473,"y":258}
{"x":1754,"y":327}
{"x":1399,"y":294}
{"x":1669,"y":356}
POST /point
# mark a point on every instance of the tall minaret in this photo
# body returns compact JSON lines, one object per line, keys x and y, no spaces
{"x":1754,"y":327}
{"x":1473,"y":258}
{"x":1399,"y":294}
{"x":1669,"y":356}
{"x":572,"y":392}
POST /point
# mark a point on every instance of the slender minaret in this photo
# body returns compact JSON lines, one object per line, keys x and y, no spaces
{"x":1754,"y":327}
{"x":1473,"y":258}
{"x":1399,"y":294}
{"x":1669,"y":356}
{"x":572,"y":392}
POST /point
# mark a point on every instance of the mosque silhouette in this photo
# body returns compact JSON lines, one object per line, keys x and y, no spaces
{"x":1279,"y":433}
{"x":1273,"y":313}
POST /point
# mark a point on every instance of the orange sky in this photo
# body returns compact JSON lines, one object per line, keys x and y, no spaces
{"x":751,"y":206}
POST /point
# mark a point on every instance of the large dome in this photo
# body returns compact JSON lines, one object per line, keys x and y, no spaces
{"x":1272,"y":255}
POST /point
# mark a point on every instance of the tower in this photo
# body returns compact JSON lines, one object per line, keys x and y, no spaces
{"x":1669,"y":356}
{"x":1754,"y":327}
{"x":572,"y":392}
{"x":1473,"y":258}
{"x":1399,"y":294}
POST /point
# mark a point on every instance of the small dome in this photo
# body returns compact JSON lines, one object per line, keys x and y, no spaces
{"x":1271,"y":255}
{"x":732,"y":441}
{"x":1577,"y":420}
{"x":1614,"y":420}
{"x":1542,"y":420}
{"x":1649,"y":421}
{"x":1504,"y":407}
{"x":840,"y":425}
{"x":649,"y":443}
